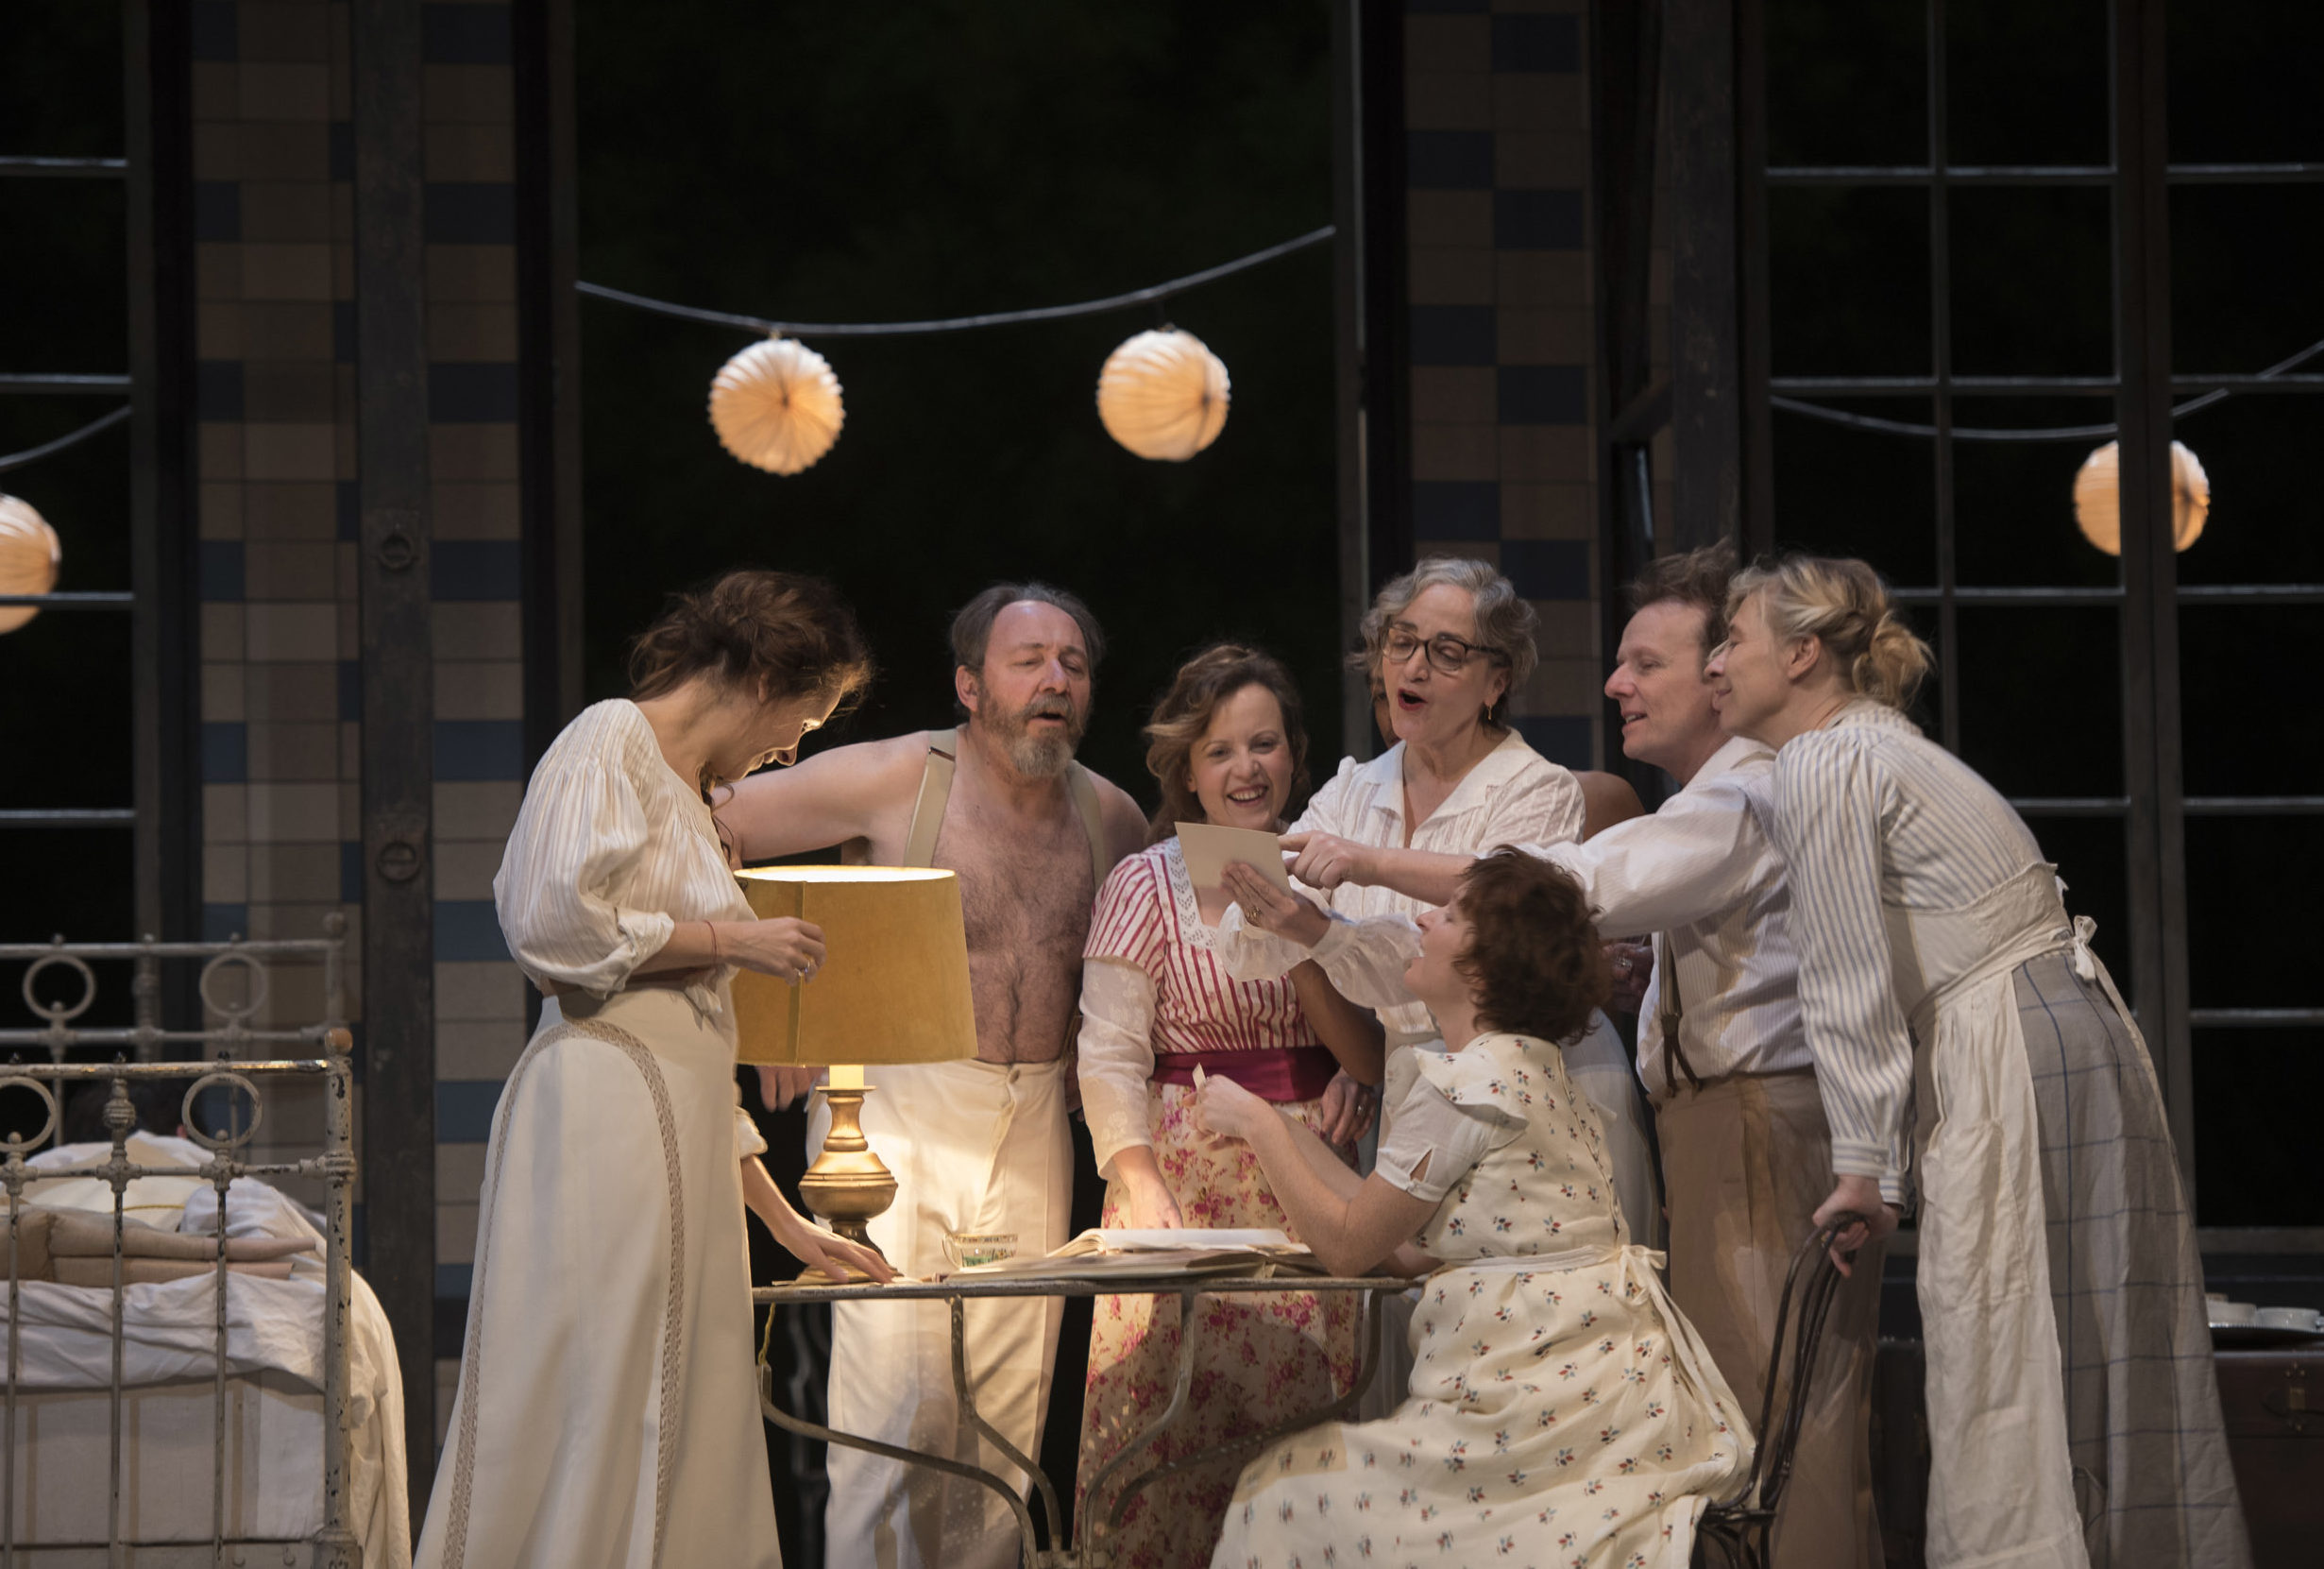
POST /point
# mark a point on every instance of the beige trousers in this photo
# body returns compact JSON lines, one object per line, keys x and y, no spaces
{"x":974,"y":1147}
{"x":1745,"y":1162}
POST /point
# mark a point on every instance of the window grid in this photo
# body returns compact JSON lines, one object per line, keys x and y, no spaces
{"x":2158,"y":895}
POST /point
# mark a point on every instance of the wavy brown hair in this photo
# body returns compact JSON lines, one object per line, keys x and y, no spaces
{"x":1533,"y":963}
{"x":1184,"y":713}
{"x":782,"y":635}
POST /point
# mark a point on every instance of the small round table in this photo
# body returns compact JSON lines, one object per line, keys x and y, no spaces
{"x":1087,"y":1550}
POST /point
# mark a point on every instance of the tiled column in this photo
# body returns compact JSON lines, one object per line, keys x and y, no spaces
{"x":476,"y":578}
{"x":275,"y":445}
{"x":1503,"y":457}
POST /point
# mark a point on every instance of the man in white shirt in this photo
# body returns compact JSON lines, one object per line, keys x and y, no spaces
{"x":1746,"y":1153}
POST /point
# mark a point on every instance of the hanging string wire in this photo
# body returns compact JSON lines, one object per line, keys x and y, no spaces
{"x":1151,"y":294}
{"x":34,"y":454}
{"x":2041,"y":433}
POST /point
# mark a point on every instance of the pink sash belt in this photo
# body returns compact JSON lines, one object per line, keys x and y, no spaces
{"x":1274,"y":1073}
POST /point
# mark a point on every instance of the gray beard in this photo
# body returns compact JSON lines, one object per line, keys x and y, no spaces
{"x":1042,"y":757}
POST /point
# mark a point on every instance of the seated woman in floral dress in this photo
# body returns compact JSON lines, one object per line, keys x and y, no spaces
{"x":1559,"y":1404}
{"x":1227,"y":747}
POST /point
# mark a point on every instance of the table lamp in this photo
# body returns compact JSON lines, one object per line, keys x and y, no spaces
{"x":892,"y":988}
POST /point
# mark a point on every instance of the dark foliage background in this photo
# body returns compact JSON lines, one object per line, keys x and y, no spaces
{"x":851,"y":163}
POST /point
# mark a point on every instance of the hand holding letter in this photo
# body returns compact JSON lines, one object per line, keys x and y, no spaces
{"x":1269,"y":909}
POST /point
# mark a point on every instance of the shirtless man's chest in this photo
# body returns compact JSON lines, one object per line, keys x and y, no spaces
{"x":1026,"y":893}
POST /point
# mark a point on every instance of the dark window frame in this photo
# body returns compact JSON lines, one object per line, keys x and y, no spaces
{"x":164,"y":819}
{"x":2153,"y":807}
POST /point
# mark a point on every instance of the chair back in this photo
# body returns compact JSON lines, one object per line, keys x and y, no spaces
{"x":1732,"y":1531}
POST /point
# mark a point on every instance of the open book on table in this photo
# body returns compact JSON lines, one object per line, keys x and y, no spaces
{"x":1186,"y":1250}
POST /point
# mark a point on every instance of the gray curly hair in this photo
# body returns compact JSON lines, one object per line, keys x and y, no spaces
{"x":1505,"y":621}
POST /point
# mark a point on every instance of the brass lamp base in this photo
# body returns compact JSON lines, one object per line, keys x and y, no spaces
{"x":847,"y":1186}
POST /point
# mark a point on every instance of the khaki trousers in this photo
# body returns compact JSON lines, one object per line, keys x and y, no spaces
{"x":974,"y":1147}
{"x":1745,"y":1162}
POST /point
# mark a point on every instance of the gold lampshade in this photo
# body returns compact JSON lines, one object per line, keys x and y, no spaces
{"x":894,"y":984}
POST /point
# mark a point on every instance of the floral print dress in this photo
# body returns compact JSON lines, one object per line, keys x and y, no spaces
{"x":1562,"y":1415}
{"x":1257,"y":1359}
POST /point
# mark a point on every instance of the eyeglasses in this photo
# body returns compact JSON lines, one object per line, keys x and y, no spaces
{"x":1446,"y":652}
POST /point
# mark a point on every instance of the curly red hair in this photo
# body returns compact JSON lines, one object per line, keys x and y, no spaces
{"x":1533,"y":961}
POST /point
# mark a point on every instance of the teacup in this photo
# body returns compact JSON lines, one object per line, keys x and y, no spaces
{"x":969,"y":1249}
{"x":2232,"y":1313}
{"x":2286,"y":1318}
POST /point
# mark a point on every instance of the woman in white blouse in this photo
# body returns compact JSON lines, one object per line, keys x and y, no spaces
{"x":606,"y":1412}
{"x":1449,"y":642}
{"x":1968,"y":1044}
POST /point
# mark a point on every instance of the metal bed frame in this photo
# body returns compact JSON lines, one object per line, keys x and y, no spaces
{"x":320,"y":1052}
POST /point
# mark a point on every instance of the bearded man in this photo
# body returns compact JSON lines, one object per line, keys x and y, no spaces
{"x":979,"y":1146}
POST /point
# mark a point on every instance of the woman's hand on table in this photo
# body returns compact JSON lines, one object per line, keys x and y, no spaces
{"x":1349,"y":1107}
{"x":1226,"y":1110}
{"x":1151,"y":1208}
{"x":782,"y":1084}
{"x":1269,"y":909}
{"x":783,"y":947}
{"x":1859,"y":1197}
{"x":1325,"y":861}
{"x":818,"y":1249}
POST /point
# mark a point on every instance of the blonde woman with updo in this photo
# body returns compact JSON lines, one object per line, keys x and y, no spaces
{"x":1974,"y":1055}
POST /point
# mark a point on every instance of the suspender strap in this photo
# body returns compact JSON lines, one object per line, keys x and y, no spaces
{"x":1081,"y":785}
{"x":1675,"y":1055}
{"x":936,"y":787}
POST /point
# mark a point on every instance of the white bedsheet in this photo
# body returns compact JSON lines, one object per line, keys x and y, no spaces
{"x":274,"y":1341}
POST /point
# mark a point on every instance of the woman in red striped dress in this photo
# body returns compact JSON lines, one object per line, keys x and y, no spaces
{"x":1226,"y":746}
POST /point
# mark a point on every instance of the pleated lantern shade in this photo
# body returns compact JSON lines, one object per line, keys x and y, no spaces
{"x":2097,"y":498}
{"x":1163,"y":395}
{"x":776,"y":406}
{"x":29,"y":558}
{"x":893,"y":983}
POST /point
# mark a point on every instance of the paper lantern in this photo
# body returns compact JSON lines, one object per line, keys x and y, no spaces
{"x":29,"y":557}
{"x":1163,"y":395}
{"x":2097,"y":498}
{"x":776,"y":406}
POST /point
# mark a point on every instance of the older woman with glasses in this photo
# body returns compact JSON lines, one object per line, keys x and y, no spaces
{"x":1448,"y":642}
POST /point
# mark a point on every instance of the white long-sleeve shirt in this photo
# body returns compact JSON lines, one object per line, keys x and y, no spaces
{"x":1704,"y":872}
{"x":611,"y":850}
{"x":1514,"y":796}
{"x":1870,"y":815}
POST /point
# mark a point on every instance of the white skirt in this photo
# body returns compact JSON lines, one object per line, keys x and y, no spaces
{"x":608,"y":1413}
